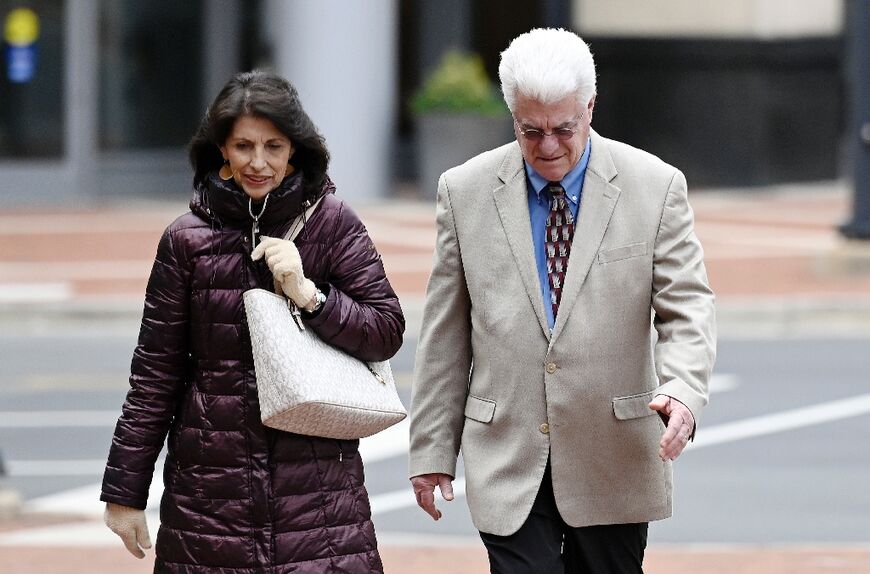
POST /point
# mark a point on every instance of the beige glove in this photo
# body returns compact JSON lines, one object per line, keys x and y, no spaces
{"x":128,"y":523}
{"x":284,"y":261}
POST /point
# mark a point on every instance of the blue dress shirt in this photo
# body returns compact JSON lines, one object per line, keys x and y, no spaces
{"x":539,"y":209}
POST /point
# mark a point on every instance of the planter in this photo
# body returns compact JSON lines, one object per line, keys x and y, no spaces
{"x":445,"y":140}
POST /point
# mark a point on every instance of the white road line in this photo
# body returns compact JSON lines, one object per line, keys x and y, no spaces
{"x":386,"y":444}
{"x":720,"y":434}
{"x":34,"y":292}
{"x":82,"y":270}
{"x":58,"y":419}
{"x":85,"y":500}
{"x":784,"y":421}
{"x":723,"y":383}
{"x":79,"y":467}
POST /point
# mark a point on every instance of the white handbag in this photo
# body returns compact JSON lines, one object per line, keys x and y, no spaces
{"x":309,"y":387}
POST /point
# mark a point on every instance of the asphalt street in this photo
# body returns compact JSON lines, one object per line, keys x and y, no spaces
{"x":780,"y":458}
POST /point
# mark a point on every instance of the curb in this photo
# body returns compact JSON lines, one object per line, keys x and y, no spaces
{"x":788,"y":317}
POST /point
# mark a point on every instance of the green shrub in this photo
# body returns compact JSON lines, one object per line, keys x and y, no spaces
{"x":458,"y":85}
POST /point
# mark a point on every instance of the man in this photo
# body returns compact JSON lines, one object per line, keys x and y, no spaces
{"x":568,"y":305}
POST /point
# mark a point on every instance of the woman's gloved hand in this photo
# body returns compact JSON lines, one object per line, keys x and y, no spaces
{"x":128,"y":523}
{"x":284,"y":261}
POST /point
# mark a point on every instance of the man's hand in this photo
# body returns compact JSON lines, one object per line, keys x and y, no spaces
{"x":680,"y":423}
{"x":424,"y":489}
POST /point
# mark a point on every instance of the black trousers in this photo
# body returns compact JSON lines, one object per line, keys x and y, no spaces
{"x":544,"y":544}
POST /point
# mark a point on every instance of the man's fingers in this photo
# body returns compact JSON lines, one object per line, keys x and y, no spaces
{"x":424,"y":489}
{"x":426,"y":501}
{"x":675,"y":438}
{"x":446,"y":487}
{"x":675,"y":423}
{"x":659,"y":403}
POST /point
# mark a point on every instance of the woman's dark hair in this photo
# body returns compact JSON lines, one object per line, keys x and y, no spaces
{"x":266,"y":95}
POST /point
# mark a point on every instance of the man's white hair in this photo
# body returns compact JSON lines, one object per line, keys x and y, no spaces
{"x":547,"y":65}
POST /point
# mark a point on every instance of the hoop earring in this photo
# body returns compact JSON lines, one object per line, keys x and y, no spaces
{"x":226,"y":172}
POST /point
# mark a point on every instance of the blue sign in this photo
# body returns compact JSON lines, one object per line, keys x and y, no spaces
{"x":20,"y":63}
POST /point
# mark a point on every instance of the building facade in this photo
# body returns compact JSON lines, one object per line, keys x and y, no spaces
{"x":99,"y":100}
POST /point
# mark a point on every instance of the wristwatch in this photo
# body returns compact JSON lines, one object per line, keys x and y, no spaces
{"x":319,"y":300}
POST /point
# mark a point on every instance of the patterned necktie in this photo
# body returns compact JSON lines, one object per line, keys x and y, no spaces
{"x":560,"y":232}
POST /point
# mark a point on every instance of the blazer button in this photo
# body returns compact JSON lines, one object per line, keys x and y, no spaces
{"x":551,"y":368}
{"x":544,"y":428}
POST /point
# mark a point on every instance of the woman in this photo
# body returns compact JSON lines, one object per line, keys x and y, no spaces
{"x":240,"y":497}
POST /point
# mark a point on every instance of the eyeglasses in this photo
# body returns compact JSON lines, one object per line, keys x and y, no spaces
{"x":536,"y":135}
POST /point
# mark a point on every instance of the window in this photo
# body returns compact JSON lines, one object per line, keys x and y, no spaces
{"x":150,"y":73}
{"x":31,"y":86}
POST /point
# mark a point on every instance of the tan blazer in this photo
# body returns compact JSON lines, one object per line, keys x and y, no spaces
{"x":490,"y":378}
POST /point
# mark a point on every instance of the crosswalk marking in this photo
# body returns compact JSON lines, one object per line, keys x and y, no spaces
{"x":84,"y":501}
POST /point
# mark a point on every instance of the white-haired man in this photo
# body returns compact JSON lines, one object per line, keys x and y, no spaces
{"x":568,"y":305}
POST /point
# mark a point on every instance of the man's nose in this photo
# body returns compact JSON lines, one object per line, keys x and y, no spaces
{"x":550,"y":143}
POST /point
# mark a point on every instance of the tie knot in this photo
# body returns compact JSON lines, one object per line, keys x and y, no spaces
{"x":556,"y":189}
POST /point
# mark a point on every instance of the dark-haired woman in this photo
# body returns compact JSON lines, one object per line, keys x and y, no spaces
{"x":239,"y":497}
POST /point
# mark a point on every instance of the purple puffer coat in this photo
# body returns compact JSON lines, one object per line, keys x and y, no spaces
{"x":241,"y":498}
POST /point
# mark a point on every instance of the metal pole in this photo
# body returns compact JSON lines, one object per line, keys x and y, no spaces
{"x":858,"y":54}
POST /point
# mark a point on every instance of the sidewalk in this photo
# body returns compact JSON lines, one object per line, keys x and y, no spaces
{"x":472,"y":560}
{"x":775,"y":260}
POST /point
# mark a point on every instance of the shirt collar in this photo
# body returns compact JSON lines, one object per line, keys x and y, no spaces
{"x":571,"y":181}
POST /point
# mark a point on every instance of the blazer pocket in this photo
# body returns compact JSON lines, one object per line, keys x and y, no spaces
{"x":633,"y":406}
{"x":620,"y":253}
{"x":479,"y":409}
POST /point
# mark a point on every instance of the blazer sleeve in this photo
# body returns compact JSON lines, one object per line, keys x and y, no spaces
{"x":444,"y":360}
{"x":683,"y":304}
{"x":158,"y":374}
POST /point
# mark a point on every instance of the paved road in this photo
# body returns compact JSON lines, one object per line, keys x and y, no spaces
{"x":779,"y":467}
{"x":793,"y":474}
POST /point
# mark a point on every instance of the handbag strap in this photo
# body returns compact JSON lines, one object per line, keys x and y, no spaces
{"x":300,"y":221}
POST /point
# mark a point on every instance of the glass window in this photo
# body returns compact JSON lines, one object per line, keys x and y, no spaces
{"x":31,"y":86}
{"x":150,"y":73}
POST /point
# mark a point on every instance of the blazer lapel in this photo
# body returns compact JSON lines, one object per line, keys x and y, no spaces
{"x":512,"y":203}
{"x":596,"y":207}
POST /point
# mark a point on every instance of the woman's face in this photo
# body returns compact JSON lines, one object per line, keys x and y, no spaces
{"x":258,"y":154}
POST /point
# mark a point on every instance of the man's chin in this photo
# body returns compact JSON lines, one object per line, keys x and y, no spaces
{"x":552,"y":173}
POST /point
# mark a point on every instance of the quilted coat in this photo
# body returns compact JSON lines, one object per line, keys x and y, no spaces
{"x":241,"y":498}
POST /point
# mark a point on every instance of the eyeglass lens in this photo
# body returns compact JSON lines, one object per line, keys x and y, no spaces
{"x":536,"y":134}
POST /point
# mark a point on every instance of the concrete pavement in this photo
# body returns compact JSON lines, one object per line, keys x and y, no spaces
{"x":774,"y":257}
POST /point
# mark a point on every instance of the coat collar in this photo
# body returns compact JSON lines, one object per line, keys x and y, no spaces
{"x":226,"y":202}
{"x":511,"y":201}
